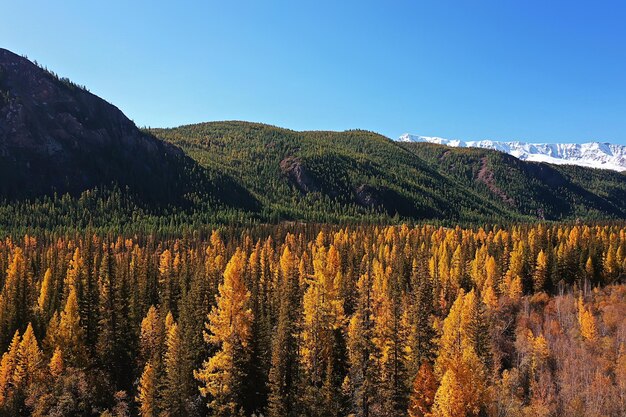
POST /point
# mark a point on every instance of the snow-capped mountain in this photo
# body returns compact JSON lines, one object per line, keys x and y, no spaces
{"x":592,"y":154}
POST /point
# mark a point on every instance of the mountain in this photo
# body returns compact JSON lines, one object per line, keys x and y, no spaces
{"x":328,"y":176}
{"x":537,"y":190}
{"x":57,"y":137}
{"x":357,"y":174}
{"x":591,"y":155}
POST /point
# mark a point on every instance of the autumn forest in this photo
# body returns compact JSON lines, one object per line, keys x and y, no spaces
{"x":237,"y":269}
{"x":317,"y":321}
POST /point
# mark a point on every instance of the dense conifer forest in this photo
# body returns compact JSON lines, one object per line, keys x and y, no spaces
{"x":293,"y":320}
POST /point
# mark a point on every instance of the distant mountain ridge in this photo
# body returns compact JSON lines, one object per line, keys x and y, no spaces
{"x":592,"y":154}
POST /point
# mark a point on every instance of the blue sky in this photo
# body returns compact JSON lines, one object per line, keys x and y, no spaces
{"x":529,"y":70}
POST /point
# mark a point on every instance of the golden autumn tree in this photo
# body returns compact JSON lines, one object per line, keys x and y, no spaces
{"x":148,"y":393}
{"x":80,"y":279}
{"x":45,"y":295}
{"x":463,"y":373}
{"x":477,"y":267}
{"x":540,"y":276}
{"x":611,"y":264}
{"x":423,"y":391}
{"x":457,"y":268}
{"x":540,"y":352}
{"x":488,"y":292}
{"x":29,"y":358}
{"x":166,"y":278}
{"x":586,"y":321}
{"x":8,"y":365}
{"x":590,"y":269}
{"x":451,"y":341}
{"x":228,"y":328}
{"x":15,"y":299}
{"x":512,"y":284}
{"x":491,"y":271}
{"x":21,"y":367}
{"x":56,"y":365}
{"x":174,"y":388}
{"x":169,"y":322}
{"x":70,"y":336}
{"x":449,"y":398}
{"x":475,"y":328}
{"x":151,"y":337}
{"x":462,"y":391}
{"x":418,"y":314}
{"x":389,"y":337}
{"x":323,"y":318}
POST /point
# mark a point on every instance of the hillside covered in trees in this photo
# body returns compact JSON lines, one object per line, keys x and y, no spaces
{"x":299,"y":321}
{"x":327,"y":176}
{"x":57,"y":138}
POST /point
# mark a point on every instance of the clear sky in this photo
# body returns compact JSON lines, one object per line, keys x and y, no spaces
{"x":535,"y":70}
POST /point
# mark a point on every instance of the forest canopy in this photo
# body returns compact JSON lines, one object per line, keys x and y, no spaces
{"x":317,"y":321}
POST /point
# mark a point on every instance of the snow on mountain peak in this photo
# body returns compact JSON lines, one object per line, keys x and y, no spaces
{"x":592,"y":154}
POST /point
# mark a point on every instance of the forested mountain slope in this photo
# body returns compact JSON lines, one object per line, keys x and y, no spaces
{"x":308,"y":174}
{"x":56,"y":137}
{"x":531,"y":188}
{"x":322,"y":175}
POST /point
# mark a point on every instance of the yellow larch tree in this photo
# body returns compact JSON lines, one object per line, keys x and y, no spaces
{"x":389,"y":337}
{"x":75,"y":270}
{"x":590,"y":269}
{"x":8,"y":365}
{"x":166,"y":280}
{"x":70,"y":335}
{"x":540,"y":276}
{"x":29,"y":358}
{"x":323,"y":318}
{"x":45,"y":292}
{"x":462,"y":392}
{"x":148,"y":393}
{"x":463,"y":373}
{"x":14,"y":303}
{"x":56,"y":364}
{"x":282,"y":379}
{"x":449,"y":401}
{"x":586,"y":321}
{"x":151,"y":337}
{"x":229,"y":329}
{"x":174,"y":387}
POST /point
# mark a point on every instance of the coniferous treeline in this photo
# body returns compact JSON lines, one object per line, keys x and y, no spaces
{"x":362,"y":321}
{"x":112,"y":210}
